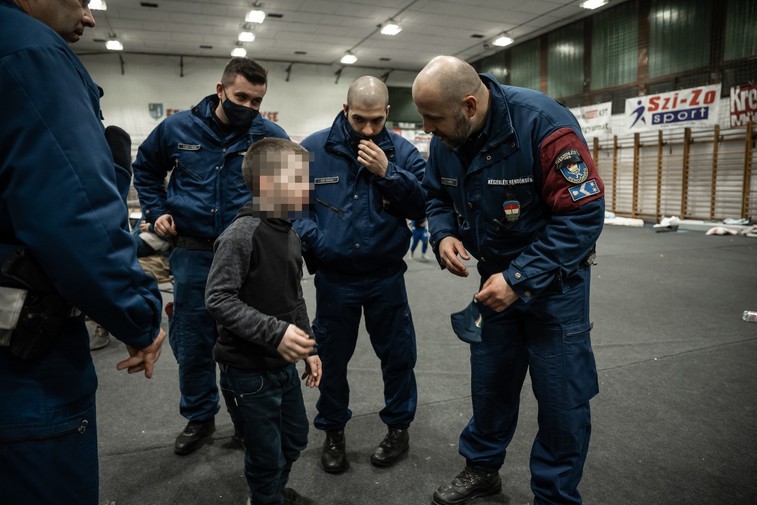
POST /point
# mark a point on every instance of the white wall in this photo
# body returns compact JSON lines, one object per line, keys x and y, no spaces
{"x":307,"y":103}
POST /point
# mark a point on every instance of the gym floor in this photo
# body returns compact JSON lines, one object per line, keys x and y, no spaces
{"x":675,"y":421}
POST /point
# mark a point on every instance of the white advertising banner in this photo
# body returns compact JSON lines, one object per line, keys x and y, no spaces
{"x":743,"y":104}
{"x":594,"y":119}
{"x":683,"y":108}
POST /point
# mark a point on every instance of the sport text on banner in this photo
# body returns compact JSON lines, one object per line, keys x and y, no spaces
{"x":686,"y":107}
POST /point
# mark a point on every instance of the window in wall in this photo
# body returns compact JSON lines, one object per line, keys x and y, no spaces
{"x":738,"y":74}
{"x":617,"y":97}
{"x":741,"y":29}
{"x":614,"y":46}
{"x":679,"y":35}
{"x":402,"y":106}
{"x":525,"y":70}
{"x":495,"y":65}
{"x":565,"y":61}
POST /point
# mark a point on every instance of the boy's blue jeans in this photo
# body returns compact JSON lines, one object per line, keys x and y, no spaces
{"x":268,"y":405}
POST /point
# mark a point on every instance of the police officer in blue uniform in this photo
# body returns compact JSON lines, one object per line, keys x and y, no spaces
{"x":511,"y":181}
{"x":202,"y":149}
{"x":65,"y":251}
{"x":367,"y":183}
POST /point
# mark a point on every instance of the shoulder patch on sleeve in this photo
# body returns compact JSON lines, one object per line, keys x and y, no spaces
{"x":581,"y":191}
{"x":571,"y":179}
{"x":572,"y":166}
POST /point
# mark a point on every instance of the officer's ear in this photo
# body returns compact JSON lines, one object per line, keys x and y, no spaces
{"x":470,"y":104}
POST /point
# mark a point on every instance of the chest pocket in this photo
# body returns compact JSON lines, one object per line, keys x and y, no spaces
{"x":327,"y":194}
{"x":509,"y":207}
{"x":189,"y":163}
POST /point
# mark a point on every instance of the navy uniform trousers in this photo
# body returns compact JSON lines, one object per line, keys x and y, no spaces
{"x":48,"y":425}
{"x":192,"y":334}
{"x":340,"y":299}
{"x":550,"y":336}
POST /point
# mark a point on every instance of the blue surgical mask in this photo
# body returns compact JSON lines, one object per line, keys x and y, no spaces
{"x":239,"y":116}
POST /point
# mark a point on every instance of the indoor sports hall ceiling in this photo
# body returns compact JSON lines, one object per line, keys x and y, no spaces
{"x":321,"y":31}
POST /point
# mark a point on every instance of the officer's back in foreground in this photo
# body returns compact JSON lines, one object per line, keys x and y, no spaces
{"x":65,"y":251}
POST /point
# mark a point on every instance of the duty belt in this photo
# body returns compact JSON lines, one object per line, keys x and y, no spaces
{"x":195,"y":244}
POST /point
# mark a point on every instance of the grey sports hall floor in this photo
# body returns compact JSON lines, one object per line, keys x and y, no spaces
{"x":675,"y":421}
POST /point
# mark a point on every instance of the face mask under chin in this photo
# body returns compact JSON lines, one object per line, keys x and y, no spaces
{"x":354,"y":136}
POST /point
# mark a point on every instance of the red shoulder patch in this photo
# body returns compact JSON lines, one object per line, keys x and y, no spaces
{"x":569,"y":173}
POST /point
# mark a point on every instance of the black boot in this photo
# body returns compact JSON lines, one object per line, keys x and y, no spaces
{"x":466,"y":486}
{"x":333,"y":457}
{"x":193,"y":436}
{"x":394,"y":445}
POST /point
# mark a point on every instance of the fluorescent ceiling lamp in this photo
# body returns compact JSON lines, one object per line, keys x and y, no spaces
{"x":246,"y":37}
{"x":391,"y":29}
{"x":348,"y":59}
{"x":593,"y":4}
{"x":239,"y":52}
{"x":502,"y":41}
{"x":255,"y":16}
{"x":114,"y":45}
{"x":98,"y":5}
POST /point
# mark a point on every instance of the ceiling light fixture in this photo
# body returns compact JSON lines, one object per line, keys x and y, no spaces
{"x":256,"y":15}
{"x":113,"y":44}
{"x":502,"y":41}
{"x":348,"y":58}
{"x":246,"y":37}
{"x":391,"y":28}
{"x":98,"y":5}
{"x":239,"y":52}
{"x":593,"y":4}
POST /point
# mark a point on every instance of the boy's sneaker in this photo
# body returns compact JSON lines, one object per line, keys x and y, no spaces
{"x":466,"y":486}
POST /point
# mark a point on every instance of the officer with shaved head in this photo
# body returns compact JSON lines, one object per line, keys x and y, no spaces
{"x":367,"y":182}
{"x":511,"y":182}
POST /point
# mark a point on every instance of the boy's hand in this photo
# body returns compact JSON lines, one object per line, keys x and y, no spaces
{"x":313,"y":371}
{"x":295,"y":344}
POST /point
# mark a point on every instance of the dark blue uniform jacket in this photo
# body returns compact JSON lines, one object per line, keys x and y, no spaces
{"x":59,"y":199}
{"x":358,"y":220}
{"x":59,"y":193}
{"x":530,"y":204}
{"x":206,"y":189}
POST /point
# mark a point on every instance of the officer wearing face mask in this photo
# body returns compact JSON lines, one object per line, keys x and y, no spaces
{"x":202,"y":149}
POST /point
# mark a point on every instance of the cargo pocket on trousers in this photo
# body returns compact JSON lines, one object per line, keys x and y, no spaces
{"x":581,"y":383}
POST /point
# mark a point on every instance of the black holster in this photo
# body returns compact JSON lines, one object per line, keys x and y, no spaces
{"x":45,"y":312}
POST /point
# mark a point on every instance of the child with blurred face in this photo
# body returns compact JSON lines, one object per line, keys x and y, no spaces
{"x":254,"y":293}
{"x":283,"y":187}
